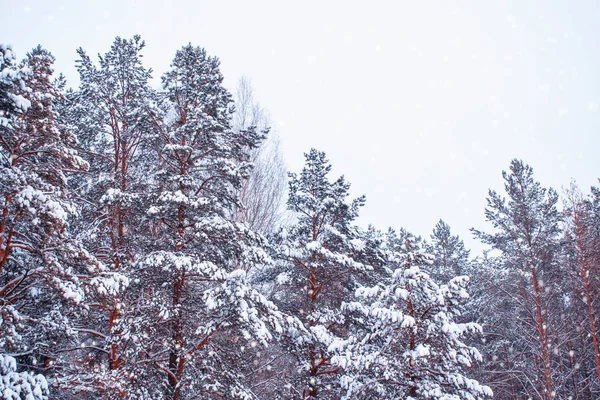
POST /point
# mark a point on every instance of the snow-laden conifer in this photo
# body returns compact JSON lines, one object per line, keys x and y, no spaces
{"x":320,"y":254}
{"x":450,"y":257}
{"x":524,"y":313}
{"x":195,"y":307}
{"x":113,"y":113}
{"x":45,"y":273}
{"x":408,"y":343}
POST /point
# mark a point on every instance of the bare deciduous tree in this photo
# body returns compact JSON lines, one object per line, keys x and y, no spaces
{"x":262,"y":195}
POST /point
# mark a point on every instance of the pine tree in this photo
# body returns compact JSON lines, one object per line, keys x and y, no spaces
{"x":526,"y":232}
{"x":196,"y":308}
{"x":319,"y":257}
{"x":408,"y":344}
{"x":450,"y":258}
{"x":114,"y":114}
{"x":44,"y":271}
{"x":582,"y":285}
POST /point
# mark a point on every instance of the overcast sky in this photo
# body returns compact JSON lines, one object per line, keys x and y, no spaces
{"x":419,"y":104}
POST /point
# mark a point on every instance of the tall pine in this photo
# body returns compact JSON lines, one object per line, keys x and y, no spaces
{"x":44,"y":271}
{"x":114,"y":114}
{"x":320,"y":255}
{"x":526,"y":229}
{"x":196,"y":308}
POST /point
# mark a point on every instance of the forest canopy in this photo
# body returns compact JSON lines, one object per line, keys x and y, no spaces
{"x":152,"y":245}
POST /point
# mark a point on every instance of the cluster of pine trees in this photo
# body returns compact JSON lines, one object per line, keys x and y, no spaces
{"x":145,"y":254}
{"x":537,"y":298}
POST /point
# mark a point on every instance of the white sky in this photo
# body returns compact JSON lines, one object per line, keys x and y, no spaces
{"x":420,"y":104}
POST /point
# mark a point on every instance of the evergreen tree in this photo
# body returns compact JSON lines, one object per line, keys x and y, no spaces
{"x":114,"y":114}
{"x":192,"y":282}
{"x":580,"y":287}
{"x":45,"y":274}
{"x":450,"y":258}
{"x":526,"y":232}
{"x":408,"y":344}
{"x":319,"y":256}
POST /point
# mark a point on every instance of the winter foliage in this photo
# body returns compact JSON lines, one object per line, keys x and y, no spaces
{"x":149,"y":249}
{"x":20,"y":385}
{"x":409,"y":345}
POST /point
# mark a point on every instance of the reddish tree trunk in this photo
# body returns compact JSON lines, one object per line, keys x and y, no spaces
{"x":543,"y":335}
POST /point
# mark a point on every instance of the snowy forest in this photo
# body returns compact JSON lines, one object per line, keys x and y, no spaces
{"x":153,"y":246}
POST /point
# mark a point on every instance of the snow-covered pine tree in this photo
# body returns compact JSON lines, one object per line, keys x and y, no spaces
{"x":43,"y":269}
{"x":526,"y":229}
{"x":408,"y":344}
{"x":372,"y":254}
{"x":114,"y":114}
{"x":196,"y":312}
{"x":581,"y":289}
{"x":319,"y":256}
{"x":450,"y":257}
